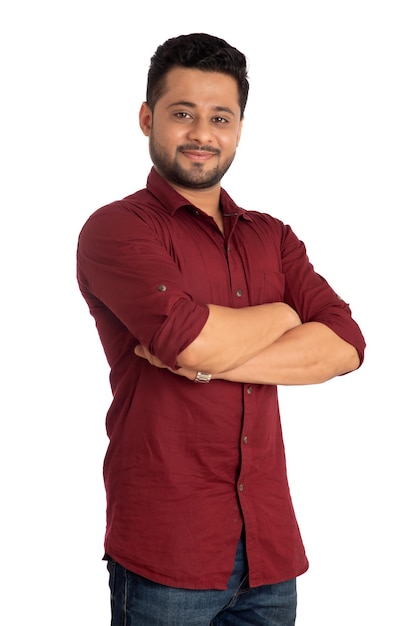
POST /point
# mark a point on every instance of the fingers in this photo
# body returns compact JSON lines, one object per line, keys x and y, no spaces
{"x":142,"y":352}
{"x":139,"y":351}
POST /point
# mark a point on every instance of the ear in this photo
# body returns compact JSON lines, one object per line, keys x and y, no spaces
{"x":145,"y":119}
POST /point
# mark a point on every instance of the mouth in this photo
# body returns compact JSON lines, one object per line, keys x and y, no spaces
{"x":198,"y":155}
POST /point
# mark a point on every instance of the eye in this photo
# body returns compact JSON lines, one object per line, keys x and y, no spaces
{"x":182,"y":115}
{"x":220,"y":120}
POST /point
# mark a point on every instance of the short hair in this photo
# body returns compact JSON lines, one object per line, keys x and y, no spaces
{"x":197,"y":51}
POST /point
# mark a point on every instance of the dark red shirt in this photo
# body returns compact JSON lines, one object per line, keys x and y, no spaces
{"x":188,"y":464}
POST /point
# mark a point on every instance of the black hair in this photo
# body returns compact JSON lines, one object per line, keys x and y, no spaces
{"x":197,"y":51}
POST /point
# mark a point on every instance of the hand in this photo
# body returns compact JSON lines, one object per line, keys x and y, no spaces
{"x":142,"y":352}
{"x":151,"y":358}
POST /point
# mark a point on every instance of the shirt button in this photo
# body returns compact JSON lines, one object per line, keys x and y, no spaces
{"x":239,"y":293}
{"x":245,"y":439}
{"x":241,"y":487}
{"x":162,"y":287}
{"x":249,"y":390}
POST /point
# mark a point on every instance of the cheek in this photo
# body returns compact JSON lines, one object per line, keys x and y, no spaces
{"x":238,"y":134}
{"x":230,"y":143}
{"x":231,"y":139}
{"x":169,"y":136}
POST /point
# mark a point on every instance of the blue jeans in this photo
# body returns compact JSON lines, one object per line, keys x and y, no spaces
{"x":137,"y":601}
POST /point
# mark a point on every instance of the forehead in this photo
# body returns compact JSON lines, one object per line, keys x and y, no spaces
{"x":205,"y":88}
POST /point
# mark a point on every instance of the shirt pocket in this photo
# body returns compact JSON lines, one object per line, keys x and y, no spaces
{"x":267,"y":286}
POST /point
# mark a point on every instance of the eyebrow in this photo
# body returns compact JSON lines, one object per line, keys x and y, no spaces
{"x":193,"y":105}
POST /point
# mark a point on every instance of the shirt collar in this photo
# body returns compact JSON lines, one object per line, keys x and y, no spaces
{"x":171,"y":200}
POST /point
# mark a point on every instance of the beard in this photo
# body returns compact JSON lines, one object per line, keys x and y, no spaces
{"x":194,"y":178}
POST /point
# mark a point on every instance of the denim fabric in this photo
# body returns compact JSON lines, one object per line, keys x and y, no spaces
{"x":137,"y":601}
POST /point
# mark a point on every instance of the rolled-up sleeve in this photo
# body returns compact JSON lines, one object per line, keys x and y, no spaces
{"x":312,"y":296}
{"x":124,"y":267}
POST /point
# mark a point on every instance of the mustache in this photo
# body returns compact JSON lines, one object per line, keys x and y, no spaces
{"x":193,"y":147}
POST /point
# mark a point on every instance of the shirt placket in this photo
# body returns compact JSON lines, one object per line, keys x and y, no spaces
{"x":240,"y":298}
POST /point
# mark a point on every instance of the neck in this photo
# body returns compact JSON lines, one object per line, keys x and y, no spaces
{"x":205,"y":199}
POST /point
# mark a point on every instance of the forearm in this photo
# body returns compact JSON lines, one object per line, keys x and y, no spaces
{"x":309,"y":354}
{"x":232,"y":337}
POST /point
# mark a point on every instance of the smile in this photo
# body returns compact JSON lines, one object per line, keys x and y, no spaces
{"x":199,"y":156}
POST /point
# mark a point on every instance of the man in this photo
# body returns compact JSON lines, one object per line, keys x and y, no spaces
{"x":203,"y":308}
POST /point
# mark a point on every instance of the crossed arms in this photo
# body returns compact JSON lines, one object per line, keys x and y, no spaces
{"x":123,"y":262}
{"x":264,"y":344}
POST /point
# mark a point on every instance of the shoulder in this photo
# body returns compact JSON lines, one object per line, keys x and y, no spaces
{"x":121,"y":213}
{"x":135,"y":202}
{"x":267,"y":224}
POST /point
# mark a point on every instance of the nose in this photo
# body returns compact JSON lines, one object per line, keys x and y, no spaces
{"x":200,"y":131}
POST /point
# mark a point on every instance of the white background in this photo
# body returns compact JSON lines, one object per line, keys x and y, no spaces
{"x":329,"y":146}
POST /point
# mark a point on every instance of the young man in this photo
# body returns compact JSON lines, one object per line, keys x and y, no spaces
{"x":203,"y":308}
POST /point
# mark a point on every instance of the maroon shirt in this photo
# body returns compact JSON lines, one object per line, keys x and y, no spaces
{"x":188,"y":464}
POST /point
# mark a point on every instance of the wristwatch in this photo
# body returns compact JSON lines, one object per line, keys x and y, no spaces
{"x":202,"y":377}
